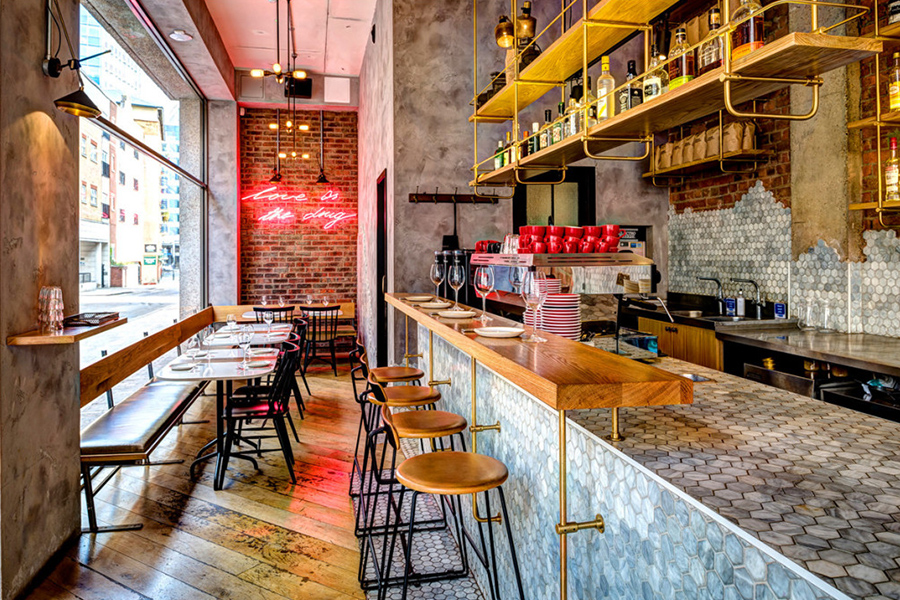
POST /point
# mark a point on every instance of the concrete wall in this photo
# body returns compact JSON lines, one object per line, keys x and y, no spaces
{"x":376,"y":154}
{"x":191,"y":206}
{"x":39,"y":414}
{"x":224,"y":205}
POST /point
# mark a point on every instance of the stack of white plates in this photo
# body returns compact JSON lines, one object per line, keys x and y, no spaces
{"x":561,"y":315}
{"x":551,"y":286}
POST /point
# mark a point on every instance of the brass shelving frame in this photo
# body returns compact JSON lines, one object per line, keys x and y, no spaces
{"x":892,"y":118}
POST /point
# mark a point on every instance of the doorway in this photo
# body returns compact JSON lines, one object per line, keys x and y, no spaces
{"x":572,"y":202}
{"x":381,"y":307}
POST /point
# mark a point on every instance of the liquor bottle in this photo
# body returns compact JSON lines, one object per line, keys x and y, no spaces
{"x":682,"y":68}
{"x":632,"y":95}
{"x":893,"y":12}
{"x":894,"y":85}
{"x":535,"y":137}
{"x":892,"y":175}
{"x":574,"y":114}
{"x":749,"y":35}
{"x":656,"y":82}
{"x":510,"y":157}
{"x":545,"y":130}
{"x":711,"y":50}
{"x":592,"y":107}
{"x":525,"y":146}
{"x":605,"y":85}
{"x":498,"y":157}
{"x":558,"y":125}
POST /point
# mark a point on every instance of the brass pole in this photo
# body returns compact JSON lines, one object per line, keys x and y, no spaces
{"x":474,"y":429}
{"x":563,"y":518}
{"x":431,"y":381}
{"x":406,"y":354}
{"x":615,"y":436}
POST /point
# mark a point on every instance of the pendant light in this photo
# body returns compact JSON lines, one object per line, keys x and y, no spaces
{"x":276,"y":176}
{"x":322,"y":178}
{"x":504,"y":33}
{"x":526,"y":24}
{"x":278,"y":70}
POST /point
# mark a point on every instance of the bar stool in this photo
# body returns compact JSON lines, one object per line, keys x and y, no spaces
{"x":450,"y":475}
{"x":432,"y":425}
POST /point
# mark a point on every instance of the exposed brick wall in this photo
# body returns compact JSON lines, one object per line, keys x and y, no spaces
{"x":711,"y":189}
{"x":871,"y":170}
{"x":294,"y":257}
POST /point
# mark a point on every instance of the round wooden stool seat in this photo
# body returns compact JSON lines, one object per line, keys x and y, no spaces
{"x":451,"y":473}
{"x":428,"y":424}
{"x":408,"y":396}
{"x":397,"y":374}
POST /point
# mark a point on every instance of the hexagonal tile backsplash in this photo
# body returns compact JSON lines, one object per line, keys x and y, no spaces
{"x":753,"y":240}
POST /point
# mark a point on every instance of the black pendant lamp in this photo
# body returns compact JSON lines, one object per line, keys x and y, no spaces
{"x":78,"y":103}
{"x":322,"y":178}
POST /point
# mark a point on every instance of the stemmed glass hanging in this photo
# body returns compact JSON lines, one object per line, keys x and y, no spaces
{"x":484,"y":285}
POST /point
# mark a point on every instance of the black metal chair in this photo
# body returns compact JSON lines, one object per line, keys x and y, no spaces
{"x":322,"y":331}
{"x":269,"y":403}
{"x":280,"y":314}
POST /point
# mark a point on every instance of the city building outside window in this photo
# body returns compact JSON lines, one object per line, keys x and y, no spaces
{"x":136,"y":221}
{"x":136,"y":185}
{"x":121,"y":215}
{"x":121,"y":178}
{"x":93,"y":151}
{"x":93,"y":196}
{"x":83,"y":192}
{"x":84,"y":145}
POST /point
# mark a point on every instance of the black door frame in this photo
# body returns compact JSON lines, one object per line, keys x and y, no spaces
{"x":381,"y":265}
{"x":587,"y":195}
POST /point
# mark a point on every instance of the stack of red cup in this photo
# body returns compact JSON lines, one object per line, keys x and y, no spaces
{"x":538,"y":239}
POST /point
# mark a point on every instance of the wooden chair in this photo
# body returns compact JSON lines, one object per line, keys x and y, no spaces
{"x":321,"y":331}
{"x":281,"y":314}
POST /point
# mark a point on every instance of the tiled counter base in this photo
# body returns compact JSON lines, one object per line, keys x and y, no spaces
{"x":661,"y":540}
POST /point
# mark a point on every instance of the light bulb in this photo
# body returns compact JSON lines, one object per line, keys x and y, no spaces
{"x":293,"y":155}
{"x":305,"y":156}
{"x":304,"y":127}
{"x":299,"y":74}
{"x":289,"y":124}
{"x":276,"y":67}
{"x":282,"y":155}
{"x":257,"y":73}
{"x":273,"y":126}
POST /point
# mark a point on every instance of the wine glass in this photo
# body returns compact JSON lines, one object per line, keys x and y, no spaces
{"x":533,"y":294}
{"x":326,"y":300}
{"x":515,"y":275}
{"x":281,"y":302}
{"x":437,"y":277}
{"x":192,"y":349}
{"x":484,"y":285}
{"x":265,"y":300}
{"x":245,"y":336}
{"x":230,"y":322}
{"x":456,"y":277}
{"x":268,"y":317}
{"x":309,"y":299}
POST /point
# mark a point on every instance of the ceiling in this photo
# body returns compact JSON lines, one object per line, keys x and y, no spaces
{"x":331,"y":34}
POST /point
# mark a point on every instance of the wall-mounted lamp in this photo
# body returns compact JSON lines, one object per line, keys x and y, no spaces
{"x":77,"y":103}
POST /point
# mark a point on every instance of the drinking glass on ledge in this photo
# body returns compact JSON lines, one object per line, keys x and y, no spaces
{"x":484,"y":285}
{"x":437,"y":277}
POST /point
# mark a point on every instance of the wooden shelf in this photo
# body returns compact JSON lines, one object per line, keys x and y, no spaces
{"x":564,"y":56}
{"x":888,"y":117}
{"x":888,"y":31}
{"x":702,"y":163}
{"x":69,"y":335}
{"x":794,"y":56}
{"x":874,"y":205}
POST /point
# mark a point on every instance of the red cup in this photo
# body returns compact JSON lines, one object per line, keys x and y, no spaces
{"x":524,"y":241}
{"x":550,"y":239}
{"x":525,"y":230}
{"x":570,"y":238}
{"x":592,"y":238}
{"x":611,"y":240}
{"x":555,"y":247}
{"x":539,"y":248}
{"x":538,"y":230}
{"x":593,"y":231}
{"x":536,"y":238}
{"x":574,"y":232}
{"x":570,"y":247}
{"x":556,"y":230}
{"x":585,"y":246}
{"x":611,"y":231}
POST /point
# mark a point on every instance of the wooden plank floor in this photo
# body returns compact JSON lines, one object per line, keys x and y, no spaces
{"x":261,"y":538}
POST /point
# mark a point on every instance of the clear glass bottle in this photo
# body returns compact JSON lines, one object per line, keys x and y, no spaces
{"x":892,"y":175}
{"x":711,"y":51}
{"x":545,"y":130}
{"x":535,"y":137}
{"x":606,"y":83}
{"x":525,"y":146}
{"x":510,"y":157}
{"x":749,"y":35}
{"x":657,"y":79}
{"x":632,"y":95}
{"x":558,"y":125}
{"x":682,"y":68}
{"x":574,"y":108}
{"x":498,"y":157}
{"x":894,"y":84}
{"x":592,"y":107}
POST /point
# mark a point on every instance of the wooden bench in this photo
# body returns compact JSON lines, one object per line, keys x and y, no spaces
{"x":127,"y":433}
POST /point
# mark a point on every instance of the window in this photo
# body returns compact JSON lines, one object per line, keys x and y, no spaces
{"x":121,"y":145}
{"x":121,"y":215}
{"x":136,"y":155}
{"x":136,"y":219}
{"x":121,"y":178}
{"x":135,"y":185}
{"x":83,"y":193}
{"x":84,"y":146}
{"x":106,"y":157}
{"x":93,"y":195}
{"x":93,"y":151}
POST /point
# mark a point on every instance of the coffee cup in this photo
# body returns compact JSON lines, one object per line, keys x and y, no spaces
{"x":585,"y":246}
{"x":555,"y":247}
{"x":570,"y":247}
{"x":611,"y":230}
{"x":593,"y":231}
{"x":556,"y":230}
{"x":574,"y":232}
{"x":539,"y":248}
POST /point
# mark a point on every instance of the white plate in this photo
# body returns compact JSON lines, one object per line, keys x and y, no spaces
{"x":258,"y":364}
{"x":499,"y":332}
{"x":263,"y":351}
{"x":202,"y":354}
{"x":185,"y":366}
{"x":419,"y":298}
{"x":435,"y":304}
{"x":280,"y":327}
{"x":457,"y":314}
{"x":222,"y":335}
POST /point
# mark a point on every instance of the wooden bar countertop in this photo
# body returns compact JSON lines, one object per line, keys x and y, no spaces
{"x":562,"y":373}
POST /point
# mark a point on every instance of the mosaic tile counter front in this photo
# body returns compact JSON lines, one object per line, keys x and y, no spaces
{"x":749,"y":493}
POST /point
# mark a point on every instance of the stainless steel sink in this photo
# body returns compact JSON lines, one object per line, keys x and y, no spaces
{"x":718,"y":319}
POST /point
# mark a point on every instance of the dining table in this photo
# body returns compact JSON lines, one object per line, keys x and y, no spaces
{"x":224,"y":366}
{"x":263,"y":336}
{"x":251,"y":315}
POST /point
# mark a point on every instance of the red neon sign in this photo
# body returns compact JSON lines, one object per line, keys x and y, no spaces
{"x":279,"y":215}
{"x":269,"y":194}
{"x":330,"y":218}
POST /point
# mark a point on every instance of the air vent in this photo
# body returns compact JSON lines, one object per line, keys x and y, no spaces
{"x":298,"y":88}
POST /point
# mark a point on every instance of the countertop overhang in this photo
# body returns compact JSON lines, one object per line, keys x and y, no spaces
{"x":564,"y":374}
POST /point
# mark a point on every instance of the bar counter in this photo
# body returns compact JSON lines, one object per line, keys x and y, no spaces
{"x":748,"y":492}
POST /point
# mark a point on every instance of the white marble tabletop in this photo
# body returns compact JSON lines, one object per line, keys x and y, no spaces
{"x":217,"y":370}
{"x":229,"y":339}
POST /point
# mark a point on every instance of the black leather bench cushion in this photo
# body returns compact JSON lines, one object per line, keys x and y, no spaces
{"x":134,"y":425}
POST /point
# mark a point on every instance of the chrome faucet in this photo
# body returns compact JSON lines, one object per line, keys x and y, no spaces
{"x":756,"y":285}
{"x":720,"y":295}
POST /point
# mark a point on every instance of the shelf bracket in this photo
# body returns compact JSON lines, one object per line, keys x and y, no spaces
{"x":562,"y":178}
{"x":647,"y":141}
{"x":617,"y":24}
{"x":814,"y":82}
